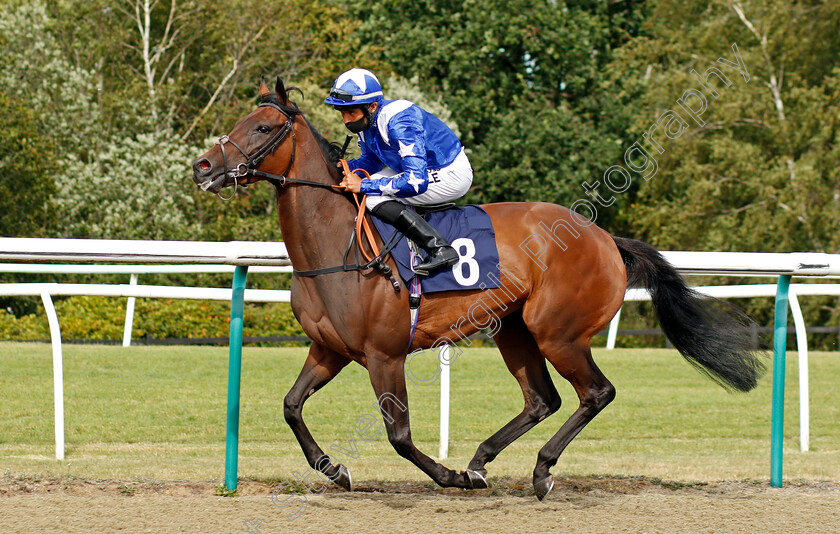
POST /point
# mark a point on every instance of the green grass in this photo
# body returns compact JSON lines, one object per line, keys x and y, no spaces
{"x":159,"y":413}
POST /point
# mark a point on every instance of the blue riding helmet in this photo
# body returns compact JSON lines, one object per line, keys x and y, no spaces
{"x":356,"y":87}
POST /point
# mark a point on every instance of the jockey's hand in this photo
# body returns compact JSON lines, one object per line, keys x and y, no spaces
{"x":352,"y":183}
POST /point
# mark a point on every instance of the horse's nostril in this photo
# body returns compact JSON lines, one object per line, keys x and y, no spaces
{"x":204,"y":165}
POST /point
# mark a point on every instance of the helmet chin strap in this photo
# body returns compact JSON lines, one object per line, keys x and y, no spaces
{"x":368,"y":115}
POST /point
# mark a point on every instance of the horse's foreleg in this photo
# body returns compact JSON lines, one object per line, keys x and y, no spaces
{"x":387,"y":376}
{"x":574,"y":362}
{"x":527,"y":365}
{"x":321,"y":366}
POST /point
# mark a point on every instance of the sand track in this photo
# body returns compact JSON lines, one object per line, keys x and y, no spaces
{"x":575,"y":505}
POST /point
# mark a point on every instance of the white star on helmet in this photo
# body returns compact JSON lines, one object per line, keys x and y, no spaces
{"x":357,"y":76}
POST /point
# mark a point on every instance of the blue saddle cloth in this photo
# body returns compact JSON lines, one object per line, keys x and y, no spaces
{"x":471,"y":233}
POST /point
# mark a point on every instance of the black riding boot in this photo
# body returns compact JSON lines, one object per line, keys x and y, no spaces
{"x":415,"y":227}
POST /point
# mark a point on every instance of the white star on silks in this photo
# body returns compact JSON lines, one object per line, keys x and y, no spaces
{"x":388,"y":188}
{"x":357,"y":76}
{"x":414,"y":181}
{"x":406,"y":150}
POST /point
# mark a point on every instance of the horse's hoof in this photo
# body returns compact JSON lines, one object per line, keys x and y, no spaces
{"x":344,"y":479}
{"x":542,"y":487}
{"x":477,"y":479}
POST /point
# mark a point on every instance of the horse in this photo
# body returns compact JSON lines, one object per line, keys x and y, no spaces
{"x":549,"y":306}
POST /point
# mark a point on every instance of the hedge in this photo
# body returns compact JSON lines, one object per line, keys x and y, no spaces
{"x":100,"y":318}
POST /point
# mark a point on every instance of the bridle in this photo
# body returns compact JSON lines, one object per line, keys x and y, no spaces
{"x":249,"y":168}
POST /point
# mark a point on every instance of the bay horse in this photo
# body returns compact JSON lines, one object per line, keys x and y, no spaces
{"x":548,"y":307}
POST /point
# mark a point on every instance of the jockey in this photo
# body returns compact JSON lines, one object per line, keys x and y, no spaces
{"x":411,"y":155}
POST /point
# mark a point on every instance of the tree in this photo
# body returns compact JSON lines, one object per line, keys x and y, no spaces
{"x":137,"y":187}
{"x":760,"y":172}
{"x":304,"y":41}
{"x":545,"y":157}
{"x":524,"y":81}
{"x":35,"y":71}
{"x":109,"y":186}
{"x":487,"y":57}
{"x":27,"y":167}
{"x":128,"y":110}
{"x":161,"y":44}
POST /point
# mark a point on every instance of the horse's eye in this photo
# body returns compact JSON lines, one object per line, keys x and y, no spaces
{"x":263,"y":129}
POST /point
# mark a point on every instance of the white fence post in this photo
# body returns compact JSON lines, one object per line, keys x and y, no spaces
{"x":129,"y":314}
{"x":58,"y":374}
{"x":444,"y":402}
{"x":802,"y":348}
{"x":613,"y":332}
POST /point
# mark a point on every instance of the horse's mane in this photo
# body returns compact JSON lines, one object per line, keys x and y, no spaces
{"x":331,"y":150}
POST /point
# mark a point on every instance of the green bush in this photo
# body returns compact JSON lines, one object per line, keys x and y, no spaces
{"x":104,"y":318}
{"x":32,"y":326}
{"x":91,"y":317}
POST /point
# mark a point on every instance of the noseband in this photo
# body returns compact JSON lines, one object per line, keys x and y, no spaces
{"x":249,"y":168}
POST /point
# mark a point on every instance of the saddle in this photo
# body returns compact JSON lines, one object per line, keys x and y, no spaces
{"x":470,"y":232}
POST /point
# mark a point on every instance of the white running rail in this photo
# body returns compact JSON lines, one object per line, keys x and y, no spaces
{"x":211,"y":254}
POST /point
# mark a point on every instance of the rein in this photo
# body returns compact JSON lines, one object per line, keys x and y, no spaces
{"x":249,"y":169}
{"x":377,"y":262}
{"x":361,"y":221}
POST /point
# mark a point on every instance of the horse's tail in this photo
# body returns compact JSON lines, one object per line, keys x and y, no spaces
{"x":713,"y":336}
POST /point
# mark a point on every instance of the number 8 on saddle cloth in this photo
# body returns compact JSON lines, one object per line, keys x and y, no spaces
{"x":471,"y":233}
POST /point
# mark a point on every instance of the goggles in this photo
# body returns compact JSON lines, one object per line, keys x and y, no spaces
{"x":341,"y":94}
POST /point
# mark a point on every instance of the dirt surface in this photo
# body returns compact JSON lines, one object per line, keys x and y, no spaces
{"x":575,"y":505}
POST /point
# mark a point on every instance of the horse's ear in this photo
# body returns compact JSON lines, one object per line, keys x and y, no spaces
{"x":264,"y":90}
{"x":280,"y":89}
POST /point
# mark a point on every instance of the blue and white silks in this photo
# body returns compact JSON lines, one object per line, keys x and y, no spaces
{"x":409,"y":140}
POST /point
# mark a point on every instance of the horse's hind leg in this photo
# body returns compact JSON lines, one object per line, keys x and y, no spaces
{"x":321,"y":366}
{"x":574,"y":362}
{"x":527,"y":365}
{"x":387,"y":375}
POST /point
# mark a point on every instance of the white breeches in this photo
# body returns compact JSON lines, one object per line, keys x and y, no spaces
{"x":445,"y":184}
